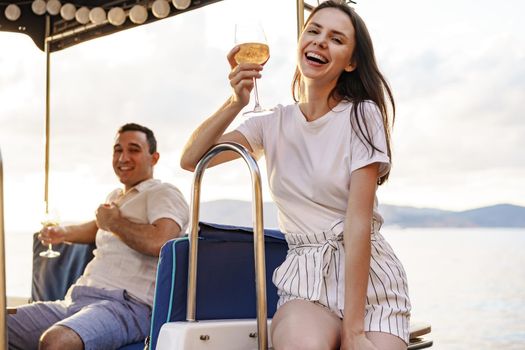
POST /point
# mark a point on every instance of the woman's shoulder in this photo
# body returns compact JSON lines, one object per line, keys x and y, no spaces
{"x":369,"y":111}
{"x":365,"y":105}
{"x":363,"y":108}
{"x":371,"y":106}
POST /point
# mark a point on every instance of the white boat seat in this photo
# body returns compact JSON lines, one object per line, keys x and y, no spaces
{"x":417,"y":331}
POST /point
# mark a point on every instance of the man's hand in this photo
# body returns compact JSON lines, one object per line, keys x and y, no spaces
{"x":52,"y":235}
{"x":107,"y":215}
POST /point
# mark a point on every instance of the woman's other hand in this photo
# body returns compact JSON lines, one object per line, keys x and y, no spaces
{"x":356,"y":342}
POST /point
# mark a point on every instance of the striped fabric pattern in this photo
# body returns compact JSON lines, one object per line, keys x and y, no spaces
{"x":314,"y":270}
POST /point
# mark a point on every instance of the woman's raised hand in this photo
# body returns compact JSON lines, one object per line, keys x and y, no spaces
{"x":241,"y":78}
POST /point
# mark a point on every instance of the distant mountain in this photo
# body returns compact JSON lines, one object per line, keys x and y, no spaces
{"x":501,"y":215}
{"x":235,"y":212}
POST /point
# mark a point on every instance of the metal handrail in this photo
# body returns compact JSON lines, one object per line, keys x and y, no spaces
{"x":258,"y":227}
{"x":3,"y":304}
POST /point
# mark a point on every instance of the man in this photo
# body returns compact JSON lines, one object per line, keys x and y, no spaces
{"x":110,"y":304}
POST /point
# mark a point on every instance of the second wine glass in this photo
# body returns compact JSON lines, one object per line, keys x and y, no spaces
{"x":253,"y":48}
{"x":50,"y":218}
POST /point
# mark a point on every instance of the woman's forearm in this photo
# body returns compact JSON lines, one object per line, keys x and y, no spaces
{"x":357,"y":239}
{"x":208,"y":134}
{"x":357,"y":267}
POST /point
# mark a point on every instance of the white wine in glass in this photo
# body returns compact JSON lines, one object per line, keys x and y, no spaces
{"x":50,"y":219}
{"x":253,"y":53}
{"x":253,"y":48}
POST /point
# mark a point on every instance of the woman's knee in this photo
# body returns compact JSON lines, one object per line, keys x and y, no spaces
{"x":386,"y":341}
{"x":60,"y":337}
{"x":303,"y":342}
{"x":303,"y":325}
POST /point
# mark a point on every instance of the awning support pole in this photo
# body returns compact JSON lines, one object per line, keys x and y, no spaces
{"x":3,"y":297}
{"x":47,"y":48}
{"x":300,"y":17}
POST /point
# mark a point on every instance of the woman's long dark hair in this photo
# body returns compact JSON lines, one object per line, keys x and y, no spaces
{"x":363,"y":83}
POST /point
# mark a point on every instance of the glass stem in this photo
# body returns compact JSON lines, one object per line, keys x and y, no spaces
{"x":257,"y":106}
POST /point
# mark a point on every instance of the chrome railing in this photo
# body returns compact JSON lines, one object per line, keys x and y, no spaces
{"x":258,"y":227}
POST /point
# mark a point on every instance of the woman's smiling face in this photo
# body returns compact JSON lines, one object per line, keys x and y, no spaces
{"x":326,"y":46}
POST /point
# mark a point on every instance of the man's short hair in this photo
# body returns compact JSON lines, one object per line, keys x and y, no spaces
{"x":152,"y":141}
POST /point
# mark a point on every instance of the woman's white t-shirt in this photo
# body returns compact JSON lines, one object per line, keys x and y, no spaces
{"x":309,"y":163}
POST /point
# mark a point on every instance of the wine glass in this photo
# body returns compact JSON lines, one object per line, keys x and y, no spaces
{"x":50,"y":218}
{"x":253,"y":48}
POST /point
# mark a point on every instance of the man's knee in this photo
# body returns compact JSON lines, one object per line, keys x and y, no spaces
{"x":60,"y":337}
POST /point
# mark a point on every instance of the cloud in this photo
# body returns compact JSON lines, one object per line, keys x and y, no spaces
{"x":467,"y":109}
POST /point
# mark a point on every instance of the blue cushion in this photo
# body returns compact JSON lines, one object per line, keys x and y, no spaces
{"x":225,"y":277}
{"x":52,"y":277}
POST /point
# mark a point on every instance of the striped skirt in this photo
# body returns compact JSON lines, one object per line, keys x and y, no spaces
{"x":314,"y":270}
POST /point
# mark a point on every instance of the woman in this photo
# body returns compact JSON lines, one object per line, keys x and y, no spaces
{"x":341,"y":286}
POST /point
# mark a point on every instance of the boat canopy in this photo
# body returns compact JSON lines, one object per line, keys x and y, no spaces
{"x":75,"y":21}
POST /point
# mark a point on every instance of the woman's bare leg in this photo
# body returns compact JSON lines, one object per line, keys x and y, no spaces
{"x":303,"y":325}
{"x":386,"y":341}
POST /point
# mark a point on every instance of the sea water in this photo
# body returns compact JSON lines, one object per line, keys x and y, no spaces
{"x":469,"y":284}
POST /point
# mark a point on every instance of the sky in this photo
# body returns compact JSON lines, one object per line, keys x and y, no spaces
{"x":457,"y":69}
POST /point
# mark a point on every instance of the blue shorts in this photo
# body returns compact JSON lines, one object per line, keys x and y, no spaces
{"x":104,"y":319}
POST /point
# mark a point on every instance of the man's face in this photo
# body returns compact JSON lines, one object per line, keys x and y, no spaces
{"x":132,"y":161}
